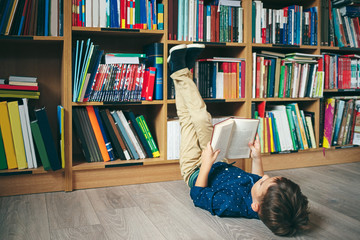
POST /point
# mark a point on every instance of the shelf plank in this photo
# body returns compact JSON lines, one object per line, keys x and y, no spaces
{"x":82,"y":104}
{"x":284,"y":99}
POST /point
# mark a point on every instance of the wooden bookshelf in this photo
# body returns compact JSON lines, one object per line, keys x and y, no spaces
{"x":50,"y":59}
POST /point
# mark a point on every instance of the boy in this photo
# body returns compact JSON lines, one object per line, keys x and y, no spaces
{"x":222,"y":188}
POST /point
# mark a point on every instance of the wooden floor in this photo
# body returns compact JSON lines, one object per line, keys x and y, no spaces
{"x":165,"y":211}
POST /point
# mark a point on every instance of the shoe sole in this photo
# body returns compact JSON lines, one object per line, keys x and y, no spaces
{"x":177,"y":47}
{"x":196,"y":45}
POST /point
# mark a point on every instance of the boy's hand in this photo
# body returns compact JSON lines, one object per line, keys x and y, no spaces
{"x":208,"y":156}
{"x":255,"y":148}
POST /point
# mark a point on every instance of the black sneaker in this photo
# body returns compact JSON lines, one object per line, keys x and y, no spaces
{"x":192,"y":53}
{"x":176,"y":59}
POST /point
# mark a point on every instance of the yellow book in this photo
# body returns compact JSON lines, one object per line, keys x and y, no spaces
{"x":266,"y":146}
{"x":17,"y":134}
{"x":7,"y":136}
{"x":271,"y":136}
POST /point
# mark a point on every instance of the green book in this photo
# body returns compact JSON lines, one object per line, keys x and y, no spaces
{"x":3,"y":164}
{"x":281,"y":83}
{"x":292,"y":129}
{"x":39,"y":142}
{"x":144,"y":128}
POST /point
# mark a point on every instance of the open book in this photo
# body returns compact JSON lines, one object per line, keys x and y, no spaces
{"x":232,"y":136}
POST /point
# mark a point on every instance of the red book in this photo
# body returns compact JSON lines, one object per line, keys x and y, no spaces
{"x":150,"y":85}
{"x":340,"y":75}
{"x":327,"y":70}
{"x":213,"y":24}
{"x":261,"y":109}
{"x":243,"y":67}
{"x":175,"y":16}
{"x":257,"y":93}
{"x":217,"y":28}
{"x":171,"y":19}
{"x":347,"y":73}
{"x":145,"y":84}
{"x":123,"y":13}
{"x":16,"y":87}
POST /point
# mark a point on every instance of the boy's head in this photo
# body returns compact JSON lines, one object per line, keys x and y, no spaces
{"x":280,"y":205}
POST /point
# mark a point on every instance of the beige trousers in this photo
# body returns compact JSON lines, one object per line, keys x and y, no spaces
{"x":195,"y":122}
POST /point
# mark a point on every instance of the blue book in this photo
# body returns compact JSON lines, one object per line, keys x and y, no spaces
{"x":47,"y":17}
{"x":155,"y":59}
{"x":161,"y":11}
{"x":124,"y":135}
{"x":291,"y":107}
{"x":181,"y":23}
{"x":114,"y":14}
{"x":82,"y":68}
{"x":186,"y":34}
{"x":106,"y":138}
{"x":338,"y":118}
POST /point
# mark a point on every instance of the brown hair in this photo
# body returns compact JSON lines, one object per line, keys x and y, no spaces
{"x":284,"y":209}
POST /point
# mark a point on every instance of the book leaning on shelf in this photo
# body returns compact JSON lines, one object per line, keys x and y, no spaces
{"x":293,"y":75}
{"x":119,"y":77}
{"x":113,"y":135}
{"x":118,"y":14}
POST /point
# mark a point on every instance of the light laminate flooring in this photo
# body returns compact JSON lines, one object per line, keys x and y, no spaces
{"x":165,"y":211}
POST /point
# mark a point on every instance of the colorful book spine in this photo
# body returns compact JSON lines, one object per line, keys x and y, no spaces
{"x":145,"y":129}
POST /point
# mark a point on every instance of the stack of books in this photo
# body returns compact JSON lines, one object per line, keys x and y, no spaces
{"x":285,"y":128}
{"x":136,"y":14}
{"x":107,"y":135}
{"x":19,"y":137}
{"x":20,"y":87}
{"x":293,"y":75}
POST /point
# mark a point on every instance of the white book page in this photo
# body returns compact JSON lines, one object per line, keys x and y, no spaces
{"x":221,"y":136}
{"x":244,"y":132}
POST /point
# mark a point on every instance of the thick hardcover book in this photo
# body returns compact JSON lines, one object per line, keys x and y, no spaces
{"x":156,"y":59}
{"x":17,"y":134}
{"x":98,"y":133}
{"x":131,"y":117}
{"x":111,"y":132}
{"x":25,"y":135}
{"x":7,"y":136}
{"x":40,"y":145}
{"x":84,"y":141}
{"x":48,"y":138}
{"x":3,"y":163}
{"x":232,"y":136}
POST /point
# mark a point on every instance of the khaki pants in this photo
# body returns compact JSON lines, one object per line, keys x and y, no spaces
{"x":195,"y":122}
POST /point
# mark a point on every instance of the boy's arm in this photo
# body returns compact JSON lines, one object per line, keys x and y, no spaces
{"x":208,"y":158}
{"x":257,"y":166}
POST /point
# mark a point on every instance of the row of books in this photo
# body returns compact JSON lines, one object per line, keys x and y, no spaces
{"x":290,"y":25}
{"x":107,"y":135}
{"x":341,"y":24}
{"x":216,"y":21}
{"x":174,"y":136}
{"x":221,"y":78}
{"x":31,"y":17}
{"x":134,"y":14}
{"x":285,"y":128}
{"x":19,"y":87}
{"x":114,"y":77}
{"x":20,"y":137}
{"x":341,"y":71}
{"x":341,"y":121}
{"x":293,"y":75}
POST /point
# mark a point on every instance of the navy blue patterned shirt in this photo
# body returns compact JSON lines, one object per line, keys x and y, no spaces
{"x":228,"y":193}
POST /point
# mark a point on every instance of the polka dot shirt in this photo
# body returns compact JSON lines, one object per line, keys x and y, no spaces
{"x":228,"y":193}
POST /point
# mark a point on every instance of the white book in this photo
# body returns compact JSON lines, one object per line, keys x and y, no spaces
{"x":130,"y":134}
{"x":311,"y":131}
{"x":303,"y":80}
{"x":169,"y":140}
{"x":96,"y":13}
{"x":258,"y":7}
{"x":22,"y":79}
{"x":88,"y":13}
{"x":186,"y":20}
{"x":102,"y":13}
{"x":208,"y":25}
{"x":301,"y":25}
{"x":54,"y":18}
{"x":295,"y":80}
{"x":281,"y":109}
{"x":191,"y":20}
{"x":241,"y":25}
{"x":219,"y":84}
{"x":254,"y":76}
{"x":280,"y":129}
{"x":232,"y":136}
{"x":348,"y":30}
{"x":25,"y":135}
{"x":31,"y":141}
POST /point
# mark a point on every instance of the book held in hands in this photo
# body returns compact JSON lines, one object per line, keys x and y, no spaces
{"x":232,"y":136}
